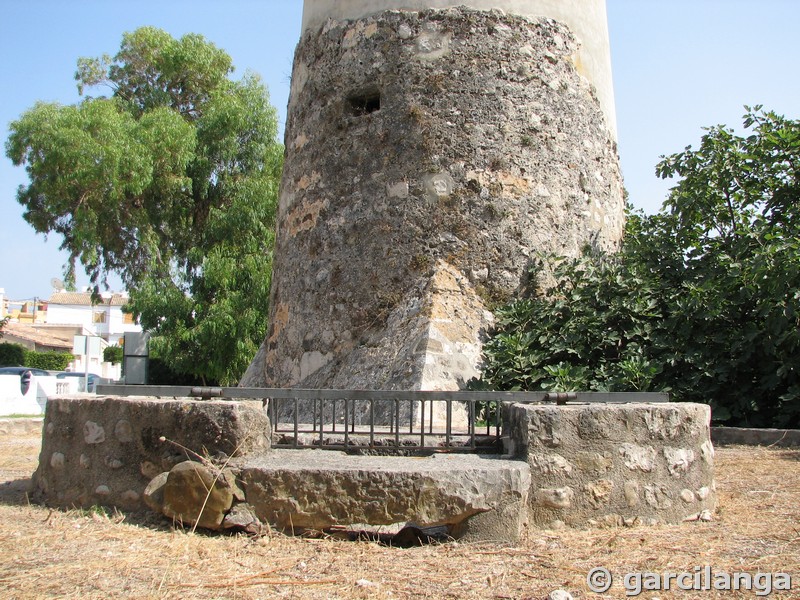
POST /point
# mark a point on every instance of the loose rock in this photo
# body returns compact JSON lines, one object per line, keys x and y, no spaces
{"x":194,"y":494}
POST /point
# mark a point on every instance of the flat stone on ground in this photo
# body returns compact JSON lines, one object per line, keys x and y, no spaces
{"x":318,"y":489}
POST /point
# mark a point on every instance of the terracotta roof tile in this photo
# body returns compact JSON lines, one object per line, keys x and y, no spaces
{"x":36,"y":335}
{"x":85,"y":299}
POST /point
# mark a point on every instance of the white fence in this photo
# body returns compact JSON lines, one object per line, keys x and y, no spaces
{"x":14,"y":402}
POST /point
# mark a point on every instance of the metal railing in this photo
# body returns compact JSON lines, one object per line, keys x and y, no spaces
{"x":390,"y":422}
{"x":397,"y":422}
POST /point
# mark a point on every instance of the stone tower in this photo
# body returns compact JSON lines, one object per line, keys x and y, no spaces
{"x":432,"y":153}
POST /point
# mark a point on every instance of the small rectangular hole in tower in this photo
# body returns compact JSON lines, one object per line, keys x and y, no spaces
{"x":364,"y":104}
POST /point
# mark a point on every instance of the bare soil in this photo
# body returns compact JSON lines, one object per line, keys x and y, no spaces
{"x":100,"y":553}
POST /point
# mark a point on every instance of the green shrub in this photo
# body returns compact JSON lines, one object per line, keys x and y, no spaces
{"x":113,"y":354}
{"x":12,"y":355}
{"x":49,"y":361}
{"x":702,"y":301}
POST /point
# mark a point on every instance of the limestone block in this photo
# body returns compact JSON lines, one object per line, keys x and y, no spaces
{"x":596,"y":424}
{"x":707,"y":452}
{"x":640,"y":458}
{"x":154,"y":492}
{"x":545,"y":428}
{"x":57,"y":460}
{"x":593,"y":462}
{"x":93,"y":433}
{"x":678,"y":460}
{"x":242,"y":516}
{"x":195,"y":494}
{"x":113,"y":462}
{"x":549,"y":464}
{"x":657,"y":496}
{"x":315,"y":489}
{"x":665,"y":425}
{"x":599,"y":492}
{"x":631,"y":491}
{"x":555,"y":497}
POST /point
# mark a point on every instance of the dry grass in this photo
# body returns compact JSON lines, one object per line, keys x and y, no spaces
{"x":79,"y":554}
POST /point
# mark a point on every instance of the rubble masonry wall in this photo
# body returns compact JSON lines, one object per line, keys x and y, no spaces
{"x":431,"y":158}
{"x":615,"y":464}
{"x":575,"y":466}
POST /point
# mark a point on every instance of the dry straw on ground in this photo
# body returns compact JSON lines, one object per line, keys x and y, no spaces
{"x":103,"y":554}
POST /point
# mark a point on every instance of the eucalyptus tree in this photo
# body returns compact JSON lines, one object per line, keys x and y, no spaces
{"x":167,"y":176}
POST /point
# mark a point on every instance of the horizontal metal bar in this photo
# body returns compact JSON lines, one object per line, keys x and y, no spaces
{"x":301,"y":394}
{"x":390,"y":449}
{"x":206,"y":392}
{"x":619,"y":397}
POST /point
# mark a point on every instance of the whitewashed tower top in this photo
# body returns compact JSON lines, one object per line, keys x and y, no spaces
{"x":586,"y":18}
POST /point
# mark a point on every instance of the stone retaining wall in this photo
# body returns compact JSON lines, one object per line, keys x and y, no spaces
{"x":575,"y":465}
{"x":615,"y":464}
{"x":105,"y":450}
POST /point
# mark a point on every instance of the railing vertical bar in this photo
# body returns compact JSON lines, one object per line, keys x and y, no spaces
{"x":296,"y":421}
{"x":422,"y":410}
{"x":448,"y":422}
{"x":371,"y":422}
{"x":471,"y":422}
{"x":497,"y":419}
{"x":273,"y":414}
{"x":346,"y":432}
{"x":422,"y":423}
{"x":321,"y":426}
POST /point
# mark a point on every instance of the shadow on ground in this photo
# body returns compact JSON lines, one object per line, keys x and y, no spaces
{"x":15,"y":492}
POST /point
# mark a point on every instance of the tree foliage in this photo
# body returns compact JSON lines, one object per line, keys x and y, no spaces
{"x":702,"y":301}
{"x":169,"y":181}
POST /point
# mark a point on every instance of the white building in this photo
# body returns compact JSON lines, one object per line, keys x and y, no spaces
{"x":104,"y":319}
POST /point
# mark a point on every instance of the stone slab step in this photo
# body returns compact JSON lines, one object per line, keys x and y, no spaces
{"x":477,"y":496}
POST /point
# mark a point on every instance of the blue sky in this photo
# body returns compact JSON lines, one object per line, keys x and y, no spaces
{"x":678,"y":65}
